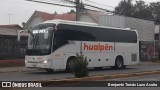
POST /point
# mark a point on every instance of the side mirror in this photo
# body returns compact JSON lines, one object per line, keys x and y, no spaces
{"x":19,"y":36}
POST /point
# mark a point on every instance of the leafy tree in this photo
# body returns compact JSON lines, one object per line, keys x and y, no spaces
{"x":71,"y":12}
{"x":142,"y":10}
{"x":155,"y":9}
{"x":139,"y":10}
{"x":125,"y":7}
{"x":55,"y":13}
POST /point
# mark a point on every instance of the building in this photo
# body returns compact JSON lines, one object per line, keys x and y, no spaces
{"x":39,"y":17}
{"x":9,"y":46}
{"x":85,"y":16}
{"x":90,"y":16}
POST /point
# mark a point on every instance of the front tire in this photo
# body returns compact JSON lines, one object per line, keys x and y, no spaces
{"x":69,"y":63}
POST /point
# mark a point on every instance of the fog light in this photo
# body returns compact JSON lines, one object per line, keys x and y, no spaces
{"x":26,"y":61}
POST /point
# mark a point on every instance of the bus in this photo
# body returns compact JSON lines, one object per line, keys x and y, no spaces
{"x":53,"y":45}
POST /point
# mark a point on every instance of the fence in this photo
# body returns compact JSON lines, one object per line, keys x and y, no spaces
{"x":10,"y":48}
{"x":149,"y":50}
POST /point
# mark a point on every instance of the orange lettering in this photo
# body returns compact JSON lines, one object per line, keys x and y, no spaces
{"x":85,"y":46}
{"x":97,"y":47}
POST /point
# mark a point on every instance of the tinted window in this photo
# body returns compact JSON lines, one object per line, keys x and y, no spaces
{"x":83,"y":33}
{"x":41,"y":41}
{"x":62,"y":36}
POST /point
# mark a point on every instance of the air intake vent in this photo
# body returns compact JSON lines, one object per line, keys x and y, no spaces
{"x":134,"y":57}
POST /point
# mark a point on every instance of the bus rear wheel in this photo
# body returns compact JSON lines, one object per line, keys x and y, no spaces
{"x":119,"y":62}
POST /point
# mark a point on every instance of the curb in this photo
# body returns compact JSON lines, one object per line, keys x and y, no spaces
{"x":17,"y":70}
{"x":98,"y":78}
{"x":151,"y":63}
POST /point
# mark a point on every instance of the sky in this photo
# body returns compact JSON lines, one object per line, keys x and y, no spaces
{"x":18,"y":11}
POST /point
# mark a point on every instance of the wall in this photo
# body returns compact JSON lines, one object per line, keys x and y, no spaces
{"x":145,"y":28}
{"x":149,"y":51}
{"x":85,"y":18}
{"x":112,"y":21}
{"x":36,"y":20}
{"x":10,"y":48}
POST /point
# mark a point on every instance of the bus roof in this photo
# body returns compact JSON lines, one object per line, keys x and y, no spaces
{"x":58,"y":21}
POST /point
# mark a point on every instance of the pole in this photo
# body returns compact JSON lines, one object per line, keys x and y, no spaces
{"x":159,"y":41}
{"x":78,"y":7}
{"x":9,"y":16}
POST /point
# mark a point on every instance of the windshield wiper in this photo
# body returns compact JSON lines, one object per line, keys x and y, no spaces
{"x":35,"y":40}
{"x":31,"y":33}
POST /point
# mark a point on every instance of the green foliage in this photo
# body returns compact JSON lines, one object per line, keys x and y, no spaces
{"x":155,"y":8}
{"x":139,"y":9}
{"x":55,"y":13}
{"x":125,"y":8}
{"x":71,"y":12}
{"x":142,"y":10}
{"x":79,"y":66}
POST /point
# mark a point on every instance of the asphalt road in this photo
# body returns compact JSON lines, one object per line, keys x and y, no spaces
{"x":42,"y":75}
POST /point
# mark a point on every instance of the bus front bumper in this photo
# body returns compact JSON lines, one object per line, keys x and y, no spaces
{"x":44,"y":64}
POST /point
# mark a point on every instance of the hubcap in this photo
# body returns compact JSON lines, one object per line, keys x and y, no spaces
{"x":119,"y":63}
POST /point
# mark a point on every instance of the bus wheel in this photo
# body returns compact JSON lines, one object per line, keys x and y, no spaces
{"x":49,"y":70}
{"x":69,"y":62}
{"x":119,"y":62}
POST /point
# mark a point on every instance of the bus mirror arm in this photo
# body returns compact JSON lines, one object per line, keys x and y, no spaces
{"x":18,"y":37}
{"x":30,"y":32}
{"x":21,"y":31}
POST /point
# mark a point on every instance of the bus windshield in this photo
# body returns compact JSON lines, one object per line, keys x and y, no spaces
{"x":40,"y":41}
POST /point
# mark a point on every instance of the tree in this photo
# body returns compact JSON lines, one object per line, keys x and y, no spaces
{"x":139,"y":10}
{"x":55,"y":13}
{"x":71,"y":12}
{"x":79,"y":66}
{"x":142,"y":10}
{"x":155,"y":9}
{"x":125,"y":7}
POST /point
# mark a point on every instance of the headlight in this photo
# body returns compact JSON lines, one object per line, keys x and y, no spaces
{"x":45,"y":61}
{"x":26,"y":61}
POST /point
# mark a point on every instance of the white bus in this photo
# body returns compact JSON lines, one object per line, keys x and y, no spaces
{"x":52,"y":45}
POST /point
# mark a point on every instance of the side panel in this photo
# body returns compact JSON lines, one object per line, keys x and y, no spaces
{"x":99,"y":54}
{"x":104,"y":53}
{"x":128,"y":50}
{"x":60,"y":56}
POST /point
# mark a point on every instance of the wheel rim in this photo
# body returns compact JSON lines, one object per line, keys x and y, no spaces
{"x":70,"y":64}
{"x":119,"y":64}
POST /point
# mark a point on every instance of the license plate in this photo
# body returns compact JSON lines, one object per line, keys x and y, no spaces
{"x":34,"y":65}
